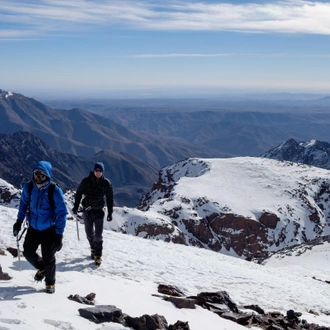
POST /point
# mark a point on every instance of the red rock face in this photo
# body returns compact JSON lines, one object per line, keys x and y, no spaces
{"x":269,"y":220}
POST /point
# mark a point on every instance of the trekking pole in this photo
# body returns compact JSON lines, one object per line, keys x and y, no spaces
{"x":79,"y":211}
{"x":18,"y":254}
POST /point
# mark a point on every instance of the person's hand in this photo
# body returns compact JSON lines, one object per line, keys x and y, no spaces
{"x":57,"y":244}
{"x":109,"y":217}
{"x":17,"y":227}
{"x":74,"y":210}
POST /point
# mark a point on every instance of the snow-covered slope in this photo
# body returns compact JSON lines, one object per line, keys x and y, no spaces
{"x":133,"y":267}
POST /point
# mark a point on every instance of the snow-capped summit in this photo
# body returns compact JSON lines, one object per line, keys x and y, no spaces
{"x":5,"y":94}
{"x":314,"y":152}
{"x":242,"y":206}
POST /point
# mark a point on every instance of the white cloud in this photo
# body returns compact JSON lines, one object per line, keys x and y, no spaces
{"x":177,"y":55}
{"x":47,"y":16}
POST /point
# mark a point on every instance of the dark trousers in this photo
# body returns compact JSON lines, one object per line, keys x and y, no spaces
{"x":45,"y":238}
{"x":93,"y":221}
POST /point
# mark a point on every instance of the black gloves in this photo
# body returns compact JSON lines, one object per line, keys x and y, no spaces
{"x":57,"y":244}
{"x":17,"y":227}
{"x":109,"y":217}
{"x":74,"y":210}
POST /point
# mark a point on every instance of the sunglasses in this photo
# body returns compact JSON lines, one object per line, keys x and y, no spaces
{"x":97,"y":170}
{"x":39,"y":175}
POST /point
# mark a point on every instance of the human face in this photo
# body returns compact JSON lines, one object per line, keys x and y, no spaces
{"x":98,"y":173}
{"x":39,"y":177}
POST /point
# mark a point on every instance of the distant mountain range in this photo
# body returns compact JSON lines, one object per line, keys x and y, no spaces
{"x":246,"y":126}
{"x":83,"y":133}
{"x":135,"y":140}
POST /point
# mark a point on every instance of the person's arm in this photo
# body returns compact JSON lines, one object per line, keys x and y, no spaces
{"x":109,"y":197}
{"x":79,"y":194}
{"x":24,"y":203}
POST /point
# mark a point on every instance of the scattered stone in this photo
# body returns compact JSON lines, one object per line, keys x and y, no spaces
{"x":179,"y":325}
{"x":102,"y":313}
{"x":147,"y":322}
{"x":170,"y":290}
{"x":219,"y":297}
{"x":2,"y":252}
{"x":311,"y":311}
{"x":180,"y":302}
{"x":293,"y":316}
{"x":88,"y":300}
{"x":4,"y":276}
{"x":12,"y":251}
{"x":240,"y":318}
{"x":218,"y":302}
{"x":255,"y":308}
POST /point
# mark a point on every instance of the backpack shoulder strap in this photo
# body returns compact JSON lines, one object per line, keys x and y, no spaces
{"x":30,"y":187}
{"x":51,"y":189}
{"x":29,"y":191}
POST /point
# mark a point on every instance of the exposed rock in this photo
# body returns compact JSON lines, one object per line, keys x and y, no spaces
{"x":179,"y":325}
{"x":2,"y":252}
{"x":270,"y":220}
{"x":13,"y":251}
{"x":152,"y":230}
{"x":170,"y":290}
{"x":147,"y":322}
{"x":255,"y":308}
{"x":110,"y":313}
{"x":102,"y":313}
{"x":181,"y":302}
{"x":88,"y":300}
{"x":218,"y":302}
{"x":208,"y":299}
{"x":4,"y":276}
{"x":240,"y":318}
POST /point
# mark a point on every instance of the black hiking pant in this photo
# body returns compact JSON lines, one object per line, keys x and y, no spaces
{"x":47,"y":262}
{"x":93,"y":221}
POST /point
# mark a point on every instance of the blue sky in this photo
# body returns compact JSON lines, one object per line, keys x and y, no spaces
{"x":54,"y":48}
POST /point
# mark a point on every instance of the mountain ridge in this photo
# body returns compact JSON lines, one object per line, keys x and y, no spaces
{"x":84,"y":133}
{"x":20,"y":151}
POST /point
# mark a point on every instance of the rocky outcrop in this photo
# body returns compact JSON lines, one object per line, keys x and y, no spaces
{"x":110,"y":313}
{"x":218,"y":302}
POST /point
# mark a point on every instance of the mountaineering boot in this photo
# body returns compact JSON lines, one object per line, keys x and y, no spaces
{"x":39,"y":276}
{"x":97,"y":261}
{"x":92,"y":253}
{"x":50,"y":288}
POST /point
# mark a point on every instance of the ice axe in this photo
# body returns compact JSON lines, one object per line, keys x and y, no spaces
{"x":79,"y":211}
{"x":18,"y":238}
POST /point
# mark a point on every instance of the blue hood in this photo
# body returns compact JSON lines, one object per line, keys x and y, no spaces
{"x":46,"y":167}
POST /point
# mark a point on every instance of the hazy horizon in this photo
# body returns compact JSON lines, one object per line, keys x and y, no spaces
{"x":52,"y":49}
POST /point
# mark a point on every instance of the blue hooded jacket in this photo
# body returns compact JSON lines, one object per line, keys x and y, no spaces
{"x":42,"y":215}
